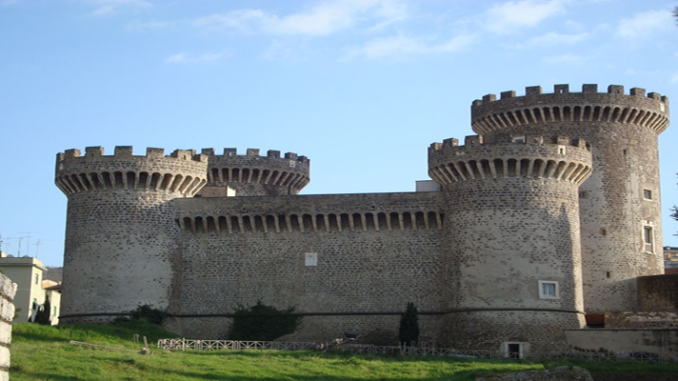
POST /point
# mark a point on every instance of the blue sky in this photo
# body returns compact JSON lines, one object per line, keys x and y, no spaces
{"x":361,"y":87}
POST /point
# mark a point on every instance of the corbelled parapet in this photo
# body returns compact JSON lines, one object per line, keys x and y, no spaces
{"x":182,"y":171}
{"x":650,"y":110}
{"x":530,"y":156}
{"x":252,"y":174}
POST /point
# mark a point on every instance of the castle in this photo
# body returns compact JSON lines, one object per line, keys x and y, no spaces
{"x":549,"y":213}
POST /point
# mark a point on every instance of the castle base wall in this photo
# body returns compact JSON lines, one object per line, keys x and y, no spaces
{"x":537,"y":331}
{"x":371,"y":329}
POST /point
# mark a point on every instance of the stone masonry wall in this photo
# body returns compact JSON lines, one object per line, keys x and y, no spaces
{"x":7,"y":292}
{"x":120,"y":234}
{"x":641,"y":319}
{"x":658,"y":293}
{"x":359,"y":280}
{"x":621,"y":198}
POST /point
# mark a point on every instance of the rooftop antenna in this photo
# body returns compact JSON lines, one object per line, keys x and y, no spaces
{"x":28,"y":242}
{"x":37,"y":246}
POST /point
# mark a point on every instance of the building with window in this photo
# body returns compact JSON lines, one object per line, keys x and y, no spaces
{"x":32,"y":288}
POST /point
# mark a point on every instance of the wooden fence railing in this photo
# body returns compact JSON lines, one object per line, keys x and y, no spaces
{"x":423,"y":350}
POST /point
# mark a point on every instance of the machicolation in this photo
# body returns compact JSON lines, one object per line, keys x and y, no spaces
{"x":503,"y":248}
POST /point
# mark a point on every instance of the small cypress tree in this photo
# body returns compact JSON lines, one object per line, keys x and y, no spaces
{"x":43,"y":315}
{"x":409,"y":325}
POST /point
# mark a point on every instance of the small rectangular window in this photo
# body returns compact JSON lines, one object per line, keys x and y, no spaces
{"x":583,"y":194}
{"x":648,"y":238}
{"x":548,"y":289}
{"x":37,"y":278}
{"x":518,"y":139}
{"x":647,"y":194}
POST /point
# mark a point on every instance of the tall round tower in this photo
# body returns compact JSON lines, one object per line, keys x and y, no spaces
{"x":511,"y":239}
{"x":254,"y":175}
{"x":619,"y":203}
{"x":121,"y":238}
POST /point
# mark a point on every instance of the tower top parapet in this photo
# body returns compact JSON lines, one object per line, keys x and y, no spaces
{"x":650,"y":110}
{"x":182,"y":171}
{"x":255,"y":175}
{"x":530,"y":156}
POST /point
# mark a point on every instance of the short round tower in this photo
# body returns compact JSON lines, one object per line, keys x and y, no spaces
{"x":620,"y":205}
{"x":511,"y":240}
{"x":254,"y":175}
{"x":121,"y":238}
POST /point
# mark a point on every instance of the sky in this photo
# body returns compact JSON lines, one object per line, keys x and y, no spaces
{"x":361,"y":87}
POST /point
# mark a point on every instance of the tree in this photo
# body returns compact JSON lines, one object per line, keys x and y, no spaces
{"x":262,"y":323}
{"x":43,"y":315}
{"x":409,"y":325}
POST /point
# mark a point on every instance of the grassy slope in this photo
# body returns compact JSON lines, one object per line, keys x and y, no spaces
{"x":43,"y":353}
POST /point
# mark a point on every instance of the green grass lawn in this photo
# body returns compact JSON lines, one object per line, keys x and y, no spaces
{"x":44,"y":353}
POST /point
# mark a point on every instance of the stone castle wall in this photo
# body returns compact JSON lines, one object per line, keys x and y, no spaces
{"x":474,"y":257}
{"x":616,"y":210}
{"x":354,"y":280}
{"x":120,"y":233}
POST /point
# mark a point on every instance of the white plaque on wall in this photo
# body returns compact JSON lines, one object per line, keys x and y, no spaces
{"x":311,"y":259}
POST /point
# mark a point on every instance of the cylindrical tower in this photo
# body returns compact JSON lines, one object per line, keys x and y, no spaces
{"x":619,"y":203}
{"x":511,"y":239}
{"x":254,"y":175}
{"x":121,"y":238}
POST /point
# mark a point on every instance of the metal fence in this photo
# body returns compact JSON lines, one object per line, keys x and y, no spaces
{"x":421,"y":350}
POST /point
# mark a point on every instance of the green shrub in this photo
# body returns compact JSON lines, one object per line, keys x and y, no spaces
{"x":408,"y":333}
{"x":262,"y":323}
{"x":145,"y":313}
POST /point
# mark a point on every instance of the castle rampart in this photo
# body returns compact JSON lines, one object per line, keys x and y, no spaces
{"x":620,"y":219}
{"x":490,"y":114}
{"x":119,"y":223}
{"x":350,"y":280}
{"x":255,"y":175}
{"x":310,"y":214}
{"x":550,"y":213}
{"x":510,"y":237}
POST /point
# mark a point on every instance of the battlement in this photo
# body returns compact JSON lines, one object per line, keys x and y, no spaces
{"x":490,"y":114}
{"x":126,"y":152}
{"x":273,"y":173}
{"x":182,"y":171}
{"x":254,"y":152}
{"x":531,"y":91}
{"x":530,"y":156}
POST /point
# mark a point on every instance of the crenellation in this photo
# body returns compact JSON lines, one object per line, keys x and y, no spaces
{"x":489,"y":98}
{"x":94,"y":151}
{"x":639,"y":92}
{"x":153,"y":153}
{"x":561,"y":89}
{"x":532,"y":90}
{"x":615,"y":89}
{"x":503,"y":245}
{"x":123,"y":151}
{"x":589,"y":88}
{"x":507,"y":94}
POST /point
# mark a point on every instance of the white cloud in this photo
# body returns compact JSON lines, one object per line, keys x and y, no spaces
{"x":565,"y":59}
{"x":110,"y":7}
{"x":557,"y":39}
{"x":403,"y":46}
{"x":645,"y":24}
{"x":509,"y":16}
{"x":321,"y":20}
{"x":138,"y":25}
{"x":183,"y":58}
